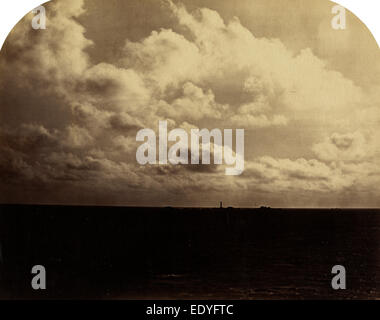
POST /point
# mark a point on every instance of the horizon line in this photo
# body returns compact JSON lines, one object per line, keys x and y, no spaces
{"x":185,"y":207}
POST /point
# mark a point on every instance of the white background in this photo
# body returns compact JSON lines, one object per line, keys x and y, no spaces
{"x":13,"y":10}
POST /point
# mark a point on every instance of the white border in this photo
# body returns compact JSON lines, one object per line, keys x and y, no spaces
{"x":368,"y":11}
{"x":13,"y":10}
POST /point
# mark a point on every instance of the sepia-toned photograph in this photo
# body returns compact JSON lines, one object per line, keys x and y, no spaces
{"x":190,"y":150}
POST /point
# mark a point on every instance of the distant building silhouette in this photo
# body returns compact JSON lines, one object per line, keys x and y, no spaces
{"x":221,"y":204}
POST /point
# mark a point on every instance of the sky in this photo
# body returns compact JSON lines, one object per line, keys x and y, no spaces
{"x":74,"y":96}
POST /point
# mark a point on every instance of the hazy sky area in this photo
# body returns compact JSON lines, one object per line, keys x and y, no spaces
{"x":74,"y":96}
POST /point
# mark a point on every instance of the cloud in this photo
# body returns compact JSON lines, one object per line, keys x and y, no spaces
{"x":193,"y":105}
{"x":299,"y":174}
{"x":165,"y":57}
{"x":70,"y":124}
{"x":49,"y":57}
{"x":348,"y":147}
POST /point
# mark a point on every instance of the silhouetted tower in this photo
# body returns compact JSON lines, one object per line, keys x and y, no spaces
{"x":221,"y":204}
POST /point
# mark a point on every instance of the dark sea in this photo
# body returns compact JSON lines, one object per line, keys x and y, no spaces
{"x":188,"y":253}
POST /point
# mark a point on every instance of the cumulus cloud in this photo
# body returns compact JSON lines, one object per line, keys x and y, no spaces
{"x":358,"y":146}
